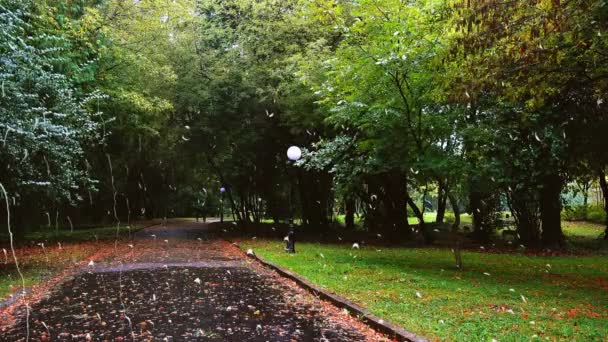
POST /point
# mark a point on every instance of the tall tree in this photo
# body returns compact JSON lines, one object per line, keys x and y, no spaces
{"x":45,"y":117}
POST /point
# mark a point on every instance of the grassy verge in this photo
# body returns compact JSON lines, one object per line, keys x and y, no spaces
{"x":38,"y":263}
{"x":78,"y":235}
{"x":502,"y":296}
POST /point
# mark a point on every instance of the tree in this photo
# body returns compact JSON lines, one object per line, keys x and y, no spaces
{"x":239,"y":94}
{"x":378,"y":86}
{"x":46,"y":120}
{"x":537,"y":75}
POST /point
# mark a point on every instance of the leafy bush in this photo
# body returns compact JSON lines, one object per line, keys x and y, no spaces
{"x":593,"y":213}
{"x":596,"y":214}
{"x":574,"y":213}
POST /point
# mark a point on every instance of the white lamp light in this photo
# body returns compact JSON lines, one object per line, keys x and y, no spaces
{"x":294,"y":153}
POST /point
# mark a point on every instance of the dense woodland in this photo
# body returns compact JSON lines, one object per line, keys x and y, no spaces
{"x":116,"y":110}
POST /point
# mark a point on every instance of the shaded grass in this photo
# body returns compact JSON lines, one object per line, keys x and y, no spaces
{"x":583,"y":234}
{"x":36,"y":263}
{"x":78,"y":235}
{"x":429,"y":217}
{"x":582,"y":229}
{"x":11,"y":282}
{"x":565,"y":297}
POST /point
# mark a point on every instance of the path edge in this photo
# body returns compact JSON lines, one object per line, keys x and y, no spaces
{"x":380,"y":325}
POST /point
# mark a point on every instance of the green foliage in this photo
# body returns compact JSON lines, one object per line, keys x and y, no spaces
{"x":389,"y":100}
{"x":139,"y":166}
{"x":112,"y":110}
{"x":239,"y":95}
{"x":45,"y":117}
{"x":592,"y":213}
{"x":527,"y":92}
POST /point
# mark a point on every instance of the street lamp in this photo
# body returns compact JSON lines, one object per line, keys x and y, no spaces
{"x":222,"y":191}
{"x":294,"y":154}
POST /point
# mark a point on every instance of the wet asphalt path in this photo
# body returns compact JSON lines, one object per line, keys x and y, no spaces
{"x":178,"y":282}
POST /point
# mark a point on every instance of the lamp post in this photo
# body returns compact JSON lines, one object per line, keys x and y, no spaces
{"x":222,"y":191}
{"x":294,"y":154}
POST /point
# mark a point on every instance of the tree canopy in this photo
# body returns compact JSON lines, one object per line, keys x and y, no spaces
{"x":111,"y":110}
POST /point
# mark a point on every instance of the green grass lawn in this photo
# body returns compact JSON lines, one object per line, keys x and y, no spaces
{"x":497,"y":296}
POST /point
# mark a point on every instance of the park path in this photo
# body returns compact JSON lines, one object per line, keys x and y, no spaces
{"x":180,"y":282}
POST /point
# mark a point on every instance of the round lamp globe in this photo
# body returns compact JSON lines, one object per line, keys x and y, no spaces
{"x":294,"y":153}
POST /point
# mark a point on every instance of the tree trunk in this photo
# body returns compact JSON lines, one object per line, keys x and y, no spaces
{"x":550,"y":210}
{"x":424,"y":199}
{"x":349,"y":211}
{"x":394,"y":201}
{"x":481,"y":226}
{"x":604,"y":187}
{"x":525,"y":209}
{"x":18,"y":223}
{"x":441,"y":202}
{"x":315,"y":196}
{"x":428,"y":238}
{"x":220,"y":175}
{"x":456,"y":210}
{"x":585,"y":199}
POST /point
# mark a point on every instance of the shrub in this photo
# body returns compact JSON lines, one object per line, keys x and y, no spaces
{"x":596,"y":214}
{"x":593,"y":213}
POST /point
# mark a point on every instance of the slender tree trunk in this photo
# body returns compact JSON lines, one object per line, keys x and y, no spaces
{"x":604,"y":187}
{"x":550,"y":210}
{"x":18,"y":223}
{"x":441,"y":202}
{"x":424,"y":199}
{"x":585,"y":199}
{"x":244,"y":208}
{"x":456,"y":210}
{"x":349,"y":211}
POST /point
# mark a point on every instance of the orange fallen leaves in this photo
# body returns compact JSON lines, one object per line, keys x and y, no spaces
{"x":65,"y":266}
{"x":587,"y":311}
